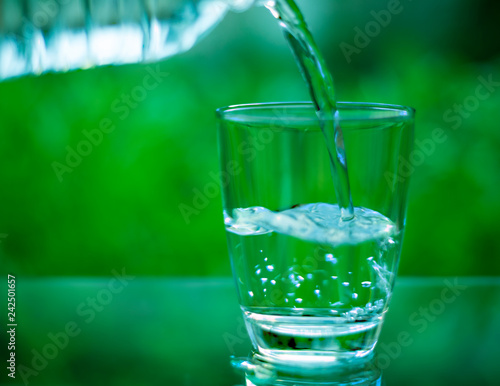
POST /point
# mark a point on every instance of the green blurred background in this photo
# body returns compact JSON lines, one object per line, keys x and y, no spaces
{"x":121,"y":206}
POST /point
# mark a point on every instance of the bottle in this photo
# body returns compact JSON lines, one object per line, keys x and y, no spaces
{"x":38,"y":36}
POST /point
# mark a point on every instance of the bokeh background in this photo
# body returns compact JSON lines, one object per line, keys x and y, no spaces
{"x":121,"y":205}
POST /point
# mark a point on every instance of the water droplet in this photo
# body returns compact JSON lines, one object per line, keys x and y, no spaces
{"x":270,"y":268}
{"x":309,"y":276}
{"x":300,"y":278}
{"x":334,"y":277}
{"x":316,"y":292}
{"x":250,"y":293}
{"x":273,"y":282}
{"x":264,"y":279}
{"x":265,"y":259}
{"x":265,"y":289}
{"x":370,"y":258}
{"x":257,"y":272}
{"x":354,"y":295}
{"x":298,"y":300}
{"x":261,"y":251}
{"x":366,"y":284}
{"x":329,"y":257}
{"x":345,"y":284}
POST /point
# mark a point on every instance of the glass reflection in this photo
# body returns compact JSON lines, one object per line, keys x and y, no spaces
{"x":260,"y":373}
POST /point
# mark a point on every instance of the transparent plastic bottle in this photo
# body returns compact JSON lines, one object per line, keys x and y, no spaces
{"x":37,"y":36}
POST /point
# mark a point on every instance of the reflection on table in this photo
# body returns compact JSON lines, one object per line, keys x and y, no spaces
{"x":151,"y":331}
{"x":257,"y":372}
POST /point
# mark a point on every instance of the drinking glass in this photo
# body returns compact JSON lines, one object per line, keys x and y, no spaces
{"x":313,"y":286}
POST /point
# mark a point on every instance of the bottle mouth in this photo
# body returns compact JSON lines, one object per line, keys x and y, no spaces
{"x":243,"y":5}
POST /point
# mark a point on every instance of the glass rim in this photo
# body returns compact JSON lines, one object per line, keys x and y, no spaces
{"x":400,"y":112}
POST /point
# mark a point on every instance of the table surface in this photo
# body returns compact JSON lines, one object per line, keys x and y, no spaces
{"x":162,"y":331}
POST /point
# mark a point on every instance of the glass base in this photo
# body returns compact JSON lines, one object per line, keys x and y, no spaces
{"x":312,"y":341}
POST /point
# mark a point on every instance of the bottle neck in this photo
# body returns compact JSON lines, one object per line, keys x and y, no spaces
{"x":75,"y":34}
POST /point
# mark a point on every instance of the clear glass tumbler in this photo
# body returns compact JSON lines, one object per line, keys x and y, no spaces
{"x":313,"y":287}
